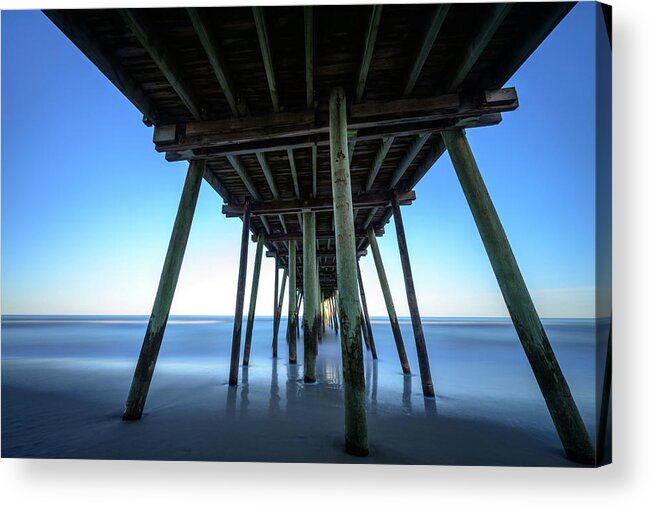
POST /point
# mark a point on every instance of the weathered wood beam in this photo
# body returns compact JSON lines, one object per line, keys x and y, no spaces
{"x":265,"y":49}
{"x":260,"y":208}
{"x":298,"y":235}
{"x":519,"y":51}
{"x":431,"y":33}
{"x":236,"y":163}
{"x":266,"y":170}
{"x":412,"y":152}
{"x":367,"y":53}
{"x":162,"y":57}
{"x":165,"y":293}
{"x":208,"y":40}
{"x":489,"y":26}
{"x":430,"y":159}
{"x":112,"y":68}
{"x":275,"y":145}
{"x":351,"y":348}
{"x":308,"y":28}
{"x":239,"y":300}
{"x":323,"y":253}
{"x":248,"y":337}
{"x":292,"y":168}
{"x":368,"y":120}
{"x":381,"y":154}
{"x":314,"y":171}
{"x":548,"y":373}
{"x":417,"y":325}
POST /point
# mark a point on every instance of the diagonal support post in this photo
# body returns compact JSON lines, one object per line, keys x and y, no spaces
{"x":254,"y":298}
{"x":417,"y":325}
{"x":550,"y":378}
{"x":239,"y":300}
{"x":166,"y":287}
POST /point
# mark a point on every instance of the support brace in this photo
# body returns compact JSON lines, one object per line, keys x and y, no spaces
{"x":166,"y":287}
{"x":546,"y":369}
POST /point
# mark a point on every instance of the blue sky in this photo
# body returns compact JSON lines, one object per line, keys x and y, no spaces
{"x":88,"y":205}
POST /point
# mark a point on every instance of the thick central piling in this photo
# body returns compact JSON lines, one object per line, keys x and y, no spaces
{"x":310,"y":296}
{"x":349,"y":310}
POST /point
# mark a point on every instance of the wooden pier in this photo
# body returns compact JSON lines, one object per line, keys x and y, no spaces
{"x":315,"y":124}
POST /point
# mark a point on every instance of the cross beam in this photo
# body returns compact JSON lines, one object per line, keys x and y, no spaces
{"x":261,"y":208}
{"x":305,"y":128}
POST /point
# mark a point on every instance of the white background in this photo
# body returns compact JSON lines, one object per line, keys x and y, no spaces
{"x":626,"y":482}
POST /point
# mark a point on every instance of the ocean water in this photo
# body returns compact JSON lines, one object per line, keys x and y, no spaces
{"x":480,"y":373}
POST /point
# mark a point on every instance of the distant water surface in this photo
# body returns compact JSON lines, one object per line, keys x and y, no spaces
{"x":479,"y":369}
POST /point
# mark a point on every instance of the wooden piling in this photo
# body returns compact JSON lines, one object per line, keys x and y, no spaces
{"x":417,"y":325}
{"x":252,"y":302}
{"x":310,"y":319}
{"x":165,"y":293}
{"x":239,"y":300}
{"x":552,"y":383}
{"x":291,"y":314}
{"x":349,"y":312}
{"x":278,"y":311}
{"x":367,"y":320}
{"x":388,"y":301}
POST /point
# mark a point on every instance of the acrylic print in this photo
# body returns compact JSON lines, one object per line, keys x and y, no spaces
{"x":339,"y":234}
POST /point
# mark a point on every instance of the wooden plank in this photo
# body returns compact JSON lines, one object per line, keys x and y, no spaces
{"x":265,"y":49}
{"x":308,"y":28}
{"x":489,"y":26}
{"x":244,"y":176}
{"x":259,"y":208}
{"x":430,"y":159}
{"x":208,"y":40}
{"x":266,"y":170}
{"x":367,"y":53}
{"x":292,"y":168}
{"x":239,"y":299}
{"x":406,"y":160}
{"x":162,"y":57}
{"x":111,"y":67}
{"x":351,"y":348}
{"x":378,"y":160}
{"x":521,"y":49}
{"x":298,"y":235}
{"x":431,"y":33}
{"x":548,"y":373}
{"x":412,"y":129}
{"x":169,"y":277}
